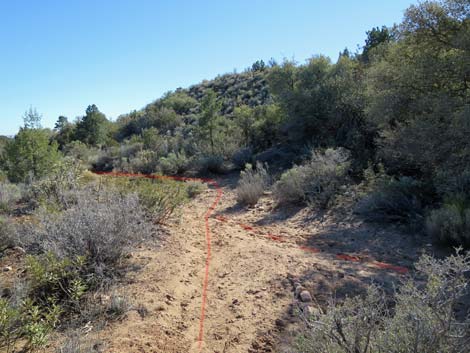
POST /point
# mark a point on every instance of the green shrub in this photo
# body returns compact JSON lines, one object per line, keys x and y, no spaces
{"x":10,"y":194}
{"x":393,"y":200}
{"x":194,"y":188}
{"x":242,"y":157}
{"x":100,"y":227}
{"x":7,"y":238}
{"x":316,"y":181}
{"x":252,"y":184}
{"x":27,"y":323}
{"x":450,"y":224}
{"x":418,"y":318}
{"x":57,"y":281}
{"x":211,"y":163}
{"x":159,"y":198}
{"x":144,"y":161}
{"x":174,"y":163}
{"x":57,"y":188}
{"x":30,"y":154}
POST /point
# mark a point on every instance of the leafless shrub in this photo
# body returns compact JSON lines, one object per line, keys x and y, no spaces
{"x":101,"y":227}
{"x":252,"y":184}
{"x":421,"y":317}
{"x":74,"y":343}
{"x":118,"y":306}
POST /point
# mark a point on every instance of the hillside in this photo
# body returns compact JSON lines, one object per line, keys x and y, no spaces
{"x":310,"y":207}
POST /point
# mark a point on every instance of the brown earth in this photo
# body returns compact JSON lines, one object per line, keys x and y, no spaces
{"x":250,"y":297}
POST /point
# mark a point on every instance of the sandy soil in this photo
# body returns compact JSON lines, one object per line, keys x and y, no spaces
{"x":256,"y":260}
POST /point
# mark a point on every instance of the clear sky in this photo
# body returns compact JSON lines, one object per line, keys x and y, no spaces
{"x":60,"y":56}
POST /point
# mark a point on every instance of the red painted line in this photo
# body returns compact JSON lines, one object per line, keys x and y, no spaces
{"x":347,"y":257}
{"x":311,"y":249}
{"x":277,"y":238}
{"x":209,"y":212}
{"x":246,"y":226}
{"x":383,"y":265}
{"x":208,"y":258}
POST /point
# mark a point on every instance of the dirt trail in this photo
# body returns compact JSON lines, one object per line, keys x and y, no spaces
{"x":250,"y":288}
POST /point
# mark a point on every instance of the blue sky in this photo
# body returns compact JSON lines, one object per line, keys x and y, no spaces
{"x":60,"y":56}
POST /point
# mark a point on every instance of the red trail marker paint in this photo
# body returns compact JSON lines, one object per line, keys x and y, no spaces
{"x":207,"y":215}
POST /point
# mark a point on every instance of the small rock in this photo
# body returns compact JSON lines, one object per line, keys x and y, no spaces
{"x":280,"y":323}
{"x":299,"y":289}
{"x":7,"y":269}
{"x":305,"y":296}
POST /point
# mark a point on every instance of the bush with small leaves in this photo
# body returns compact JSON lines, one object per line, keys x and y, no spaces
{"x":242,"y":157}
{"x":174,"y":163}
{"x":418,"y":318}
{"x":7,"y":234}
{"x":195,"y":188}
{"x":316,"y":181}
{"x":211,"y":163}
{"x":252,"y":184}
{"x":27,"y":324}
{"x":74,"y":343}
{"x":158,"y":198}
{"x":450,"y":225}
{"x":58,"y":187}
{"x":118,"y":306}
{"x":101,"y":228}
{"x":10,"y":194}
{"x":393,"y":200}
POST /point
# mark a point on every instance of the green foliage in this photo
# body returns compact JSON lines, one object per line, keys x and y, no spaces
{"x":180,"y":102}
{"x":65,"y":132}
{"x":30,"y":153}
{"x":419,"y":318}
{"x":32,"y":119}
{"x":316,"y":181}
{"x":6,"y":234}
{"x":252,"y":184}
{"x":194,"y":188}
{"x":92,"y":129}
{"x":174,"y":163}
{"x":160,"y":198}
{"x":54,"y":190}
{"x":324,"y":104}
{"x":27,"y":323}
{"x":375,"y":37}
{"x":395,"y":200}
{"x":211,"y":163}
{"x":451,"y":223}
{"x":419,"y":90}
{"x":10,"y":194}
{"x":58,"y":281}
{"x":209,"y":120}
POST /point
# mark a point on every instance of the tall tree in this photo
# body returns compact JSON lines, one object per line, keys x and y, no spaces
{"x":92,"y":129}
{"x":209,"y":118}
{"x":30,"y":152}
{"x":64,"y":131}
{"x":32,"y":119}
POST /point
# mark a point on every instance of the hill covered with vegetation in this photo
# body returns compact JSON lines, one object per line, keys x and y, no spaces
{"x":389,"y":124}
